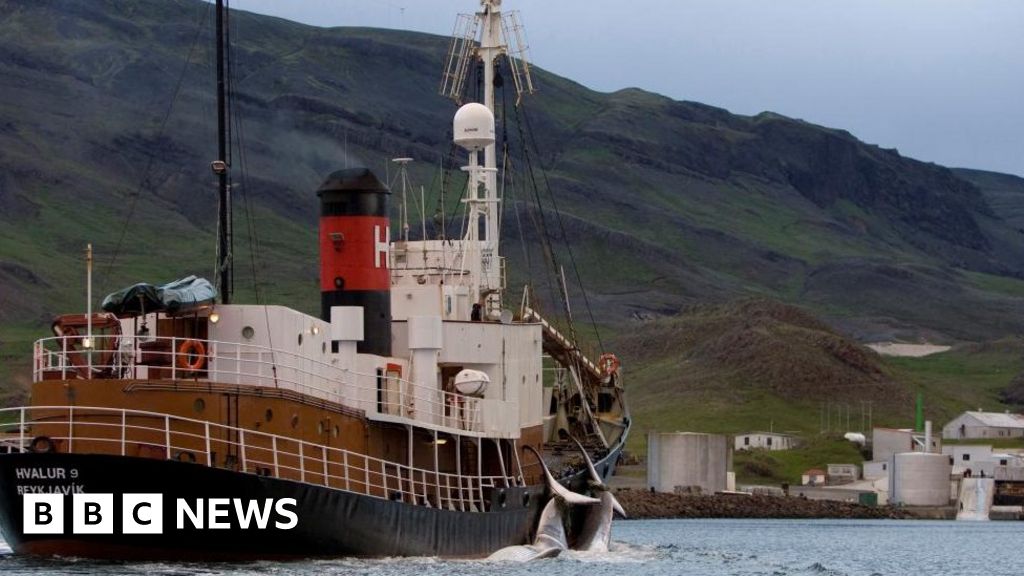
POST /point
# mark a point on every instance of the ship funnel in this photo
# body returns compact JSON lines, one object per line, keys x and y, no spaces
{"x":355,"y":240}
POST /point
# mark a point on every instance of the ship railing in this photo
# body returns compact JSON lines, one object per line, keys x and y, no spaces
{"x":143,"y":434}
{"x":161,"y":358}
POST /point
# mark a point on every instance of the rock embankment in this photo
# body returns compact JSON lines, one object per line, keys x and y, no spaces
{"x":640,"y":504}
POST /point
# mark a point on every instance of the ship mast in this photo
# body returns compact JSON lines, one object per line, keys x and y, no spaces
{"x":499,"y":36}
{"x":220,"y":167}
{"x":491,"y":46}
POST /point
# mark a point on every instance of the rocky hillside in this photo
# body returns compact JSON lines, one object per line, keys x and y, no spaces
{"x":106,"y":134}
{"x":751,"y":365}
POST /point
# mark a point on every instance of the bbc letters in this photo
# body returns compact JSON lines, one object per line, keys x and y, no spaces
{"x":144,"y":514}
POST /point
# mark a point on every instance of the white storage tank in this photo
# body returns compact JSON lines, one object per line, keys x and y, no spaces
{"x":687,"y":459}
{"x":919,"y":479}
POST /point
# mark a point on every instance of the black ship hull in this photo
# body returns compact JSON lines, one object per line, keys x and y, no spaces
{"x":330,"y":522}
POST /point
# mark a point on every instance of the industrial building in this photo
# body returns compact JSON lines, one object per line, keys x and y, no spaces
{"x":888,"y":441}
{"x":979,"y":460}
{"x":765,"y":440}
{"x":684,"y":460}
{"x":978,"y":424}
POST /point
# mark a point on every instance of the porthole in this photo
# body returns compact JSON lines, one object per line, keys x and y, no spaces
{"x":269,"y":415}
{"x":300,"y":338}
{"x":295,"y":420}
{"x":199,"y":405}
{"x":248,"y":332}
{"x":336,"y":432}
{"x":526,"y":499}
{"x":320,"y":427}
{"x":502,"y":499}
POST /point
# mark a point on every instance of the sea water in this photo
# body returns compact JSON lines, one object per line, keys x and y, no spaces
{"x":668,"y":548}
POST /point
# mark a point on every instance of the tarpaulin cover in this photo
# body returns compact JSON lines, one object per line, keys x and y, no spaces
{"x":184,"y":294}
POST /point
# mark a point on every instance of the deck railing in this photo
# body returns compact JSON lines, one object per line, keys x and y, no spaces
{"x":113,"y":431}
{"x":129,"y":357}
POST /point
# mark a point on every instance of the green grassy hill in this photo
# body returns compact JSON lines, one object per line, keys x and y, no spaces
{"x":761,"y":365}
{"x":106,"y":134}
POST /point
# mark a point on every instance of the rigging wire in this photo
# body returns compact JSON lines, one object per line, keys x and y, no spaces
{"x":540,"y":222}
{"x":144,"y":182}
{"x":565,"y":236}
{"x":237,"y":138}
{"x":509,"y":184}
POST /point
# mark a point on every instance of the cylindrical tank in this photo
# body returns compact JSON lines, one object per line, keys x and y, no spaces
{"x":686,"y":460}
{"x":919,"y":479}
{"x":354,"y":247}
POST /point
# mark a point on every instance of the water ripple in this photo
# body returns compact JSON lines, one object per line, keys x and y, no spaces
{"x":660,"y":548}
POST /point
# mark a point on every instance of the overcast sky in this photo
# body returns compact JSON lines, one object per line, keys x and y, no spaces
{"x":941,"y":80}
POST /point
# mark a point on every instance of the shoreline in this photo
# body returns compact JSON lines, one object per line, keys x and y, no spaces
{"x":645,"y":505}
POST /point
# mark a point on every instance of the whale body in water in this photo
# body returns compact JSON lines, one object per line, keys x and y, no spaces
{"x":595,"y":528}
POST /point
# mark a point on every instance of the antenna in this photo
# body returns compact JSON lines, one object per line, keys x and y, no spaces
{"x":403,"y":175}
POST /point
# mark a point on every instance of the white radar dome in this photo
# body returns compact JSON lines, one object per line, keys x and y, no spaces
{"x":473,"y":127}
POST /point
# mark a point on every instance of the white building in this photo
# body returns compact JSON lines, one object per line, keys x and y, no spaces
{"x":813,"y":477}
{"x":888,"y":441}
{"x":985,"y":425}
{"x":766,"y":440}
{"x":979,"y":460}
{"x":876,"y":469}
{"x":842,"y":473}
{"x":970,"y":460}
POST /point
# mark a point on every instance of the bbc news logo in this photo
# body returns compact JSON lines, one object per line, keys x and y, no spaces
{"x":144,"y":514}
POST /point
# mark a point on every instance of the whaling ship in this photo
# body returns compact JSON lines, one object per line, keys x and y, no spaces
{"x":403,"y":421}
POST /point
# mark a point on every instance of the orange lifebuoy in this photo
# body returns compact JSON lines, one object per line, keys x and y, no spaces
{"x":608,"y":363}
{"x":192,"y":355}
